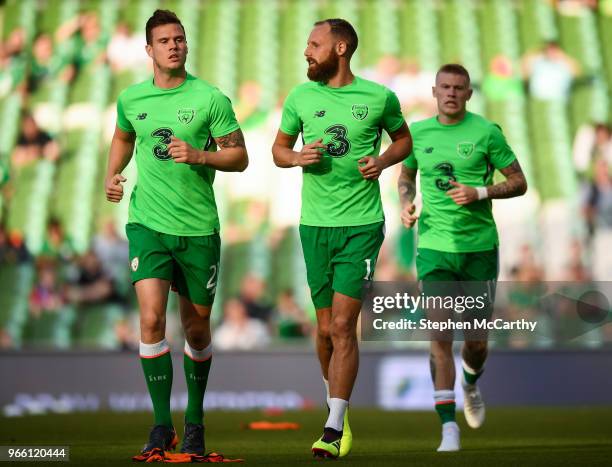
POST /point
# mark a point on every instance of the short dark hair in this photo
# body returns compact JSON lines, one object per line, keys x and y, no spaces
{"x":159,"y":18}
{"x":344,"y":30}
{"x":454,"y":69}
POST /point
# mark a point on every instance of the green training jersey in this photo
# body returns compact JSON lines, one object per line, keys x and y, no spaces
{"x":174,"y":198}
{"x":467,"y":152}
{"x":350,"y":120}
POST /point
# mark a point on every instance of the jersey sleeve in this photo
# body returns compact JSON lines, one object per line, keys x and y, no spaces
{"x":500,"y":152}
{"x":392,"y":114}
{"x":411,"y":161}
{"x":122,"y":121}
{"x":290,"y":121}
{"x":222,"y":120}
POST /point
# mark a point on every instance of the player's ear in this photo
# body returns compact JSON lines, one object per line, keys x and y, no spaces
{"x":469,"y":96}
{"x":433,"y":91}
{"x":149,"y":50}
{"x":341,"y":48}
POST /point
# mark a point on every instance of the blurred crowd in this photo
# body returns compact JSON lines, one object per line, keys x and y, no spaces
{"x":264,"y":299}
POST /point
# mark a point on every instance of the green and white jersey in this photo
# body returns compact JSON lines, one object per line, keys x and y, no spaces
{"x":173,"y":198}
{"x":467,"y":152}
{"x":350,"y":120}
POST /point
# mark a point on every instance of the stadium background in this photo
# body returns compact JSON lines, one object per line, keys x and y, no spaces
{"x":65,"y":292}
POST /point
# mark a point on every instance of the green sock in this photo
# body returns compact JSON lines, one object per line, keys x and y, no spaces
{"x":157,"y":366}
{"x":445,"y":405}
{"x":197,"y":366}
{"x":470,"y":375}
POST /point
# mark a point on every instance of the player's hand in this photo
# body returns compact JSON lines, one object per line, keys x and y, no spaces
{"x":310,"y":154}
{"x":462,"y":194}
{"x":184,"y":153}
{"x":372,"y":167}
{"x":114,"y":188}
{"x":408,"y":217}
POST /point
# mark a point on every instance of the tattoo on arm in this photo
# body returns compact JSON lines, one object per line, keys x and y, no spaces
{"x":235,"y":139}
{"x":406,"y":185}
{"x":514,"y":185}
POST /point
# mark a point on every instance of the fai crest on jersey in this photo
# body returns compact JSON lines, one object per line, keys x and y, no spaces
{"x":185,"y":116}
{"x":134,"y":264}
{"x":360,"y":111}
{"x":465,"y":150}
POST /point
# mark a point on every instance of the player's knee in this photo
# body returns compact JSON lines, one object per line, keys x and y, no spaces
{"x":323,"y":330}
{"x":342,"y":329}
{"x":152,"y":323}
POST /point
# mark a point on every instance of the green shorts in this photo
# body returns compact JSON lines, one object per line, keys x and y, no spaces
{"x":340,"y":259}
{"x":190,"y":263}
{"x":460,"y":275}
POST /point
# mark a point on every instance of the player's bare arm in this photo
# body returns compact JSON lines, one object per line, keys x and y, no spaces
{"x":514,"y":185}
{"x":400,"y":147}
{"x":121,"y":150}
{"x":285,"y":156}
{"x":406,"y":187}
{"x":232,"y":155}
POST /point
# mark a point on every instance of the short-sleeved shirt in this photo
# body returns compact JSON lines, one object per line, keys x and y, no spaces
{"x":174,"y":198}
{"x":350,"y":121}
{"x":467,"y":152}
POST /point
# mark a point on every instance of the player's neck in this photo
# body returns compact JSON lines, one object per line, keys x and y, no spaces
{"x":167,"y":79}
{"x":446,"y":119}
{"x":344,"y":77}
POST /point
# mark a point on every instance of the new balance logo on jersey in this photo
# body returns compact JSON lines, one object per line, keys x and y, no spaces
{"x":319,"y":113}
{"x":428,"y":150}
{"x":141,"y":116}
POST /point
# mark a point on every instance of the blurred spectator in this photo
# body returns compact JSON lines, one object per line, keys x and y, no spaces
{"x":6,"y":341}
{"x":85,"y":39}
{"x":12,"y":62}
{"x":501,"y":83}
{"x":126,"y":335}
{"x":238,"y":331}
{"x":550,"y":72}
{"x":33,"y":143}
{"x":574,"y":7}
{"x":46,"y":295}
{"x":93,"y":285}
{"x":126,"y":51}
{"x":386,"y":71}
{"x":112,"y":250}
{"x":46,"y":64}
{"x":12,"y":248}
{"x":57,"y":244}
{"x":291,"y":320}
{"x":413,"y":88}
{"x":576,"y":271}
{"x":252,"y":291}
{"x":527,"y":269}
{"x":599,"y":219}
{"x":591,"y":143}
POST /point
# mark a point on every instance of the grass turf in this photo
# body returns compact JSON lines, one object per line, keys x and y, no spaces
{"x":517,"y":436}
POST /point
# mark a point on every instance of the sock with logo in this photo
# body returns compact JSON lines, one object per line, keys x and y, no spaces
{"x":445,"y":405}
{"x":197,"y":366}
{"x":157,"y":367}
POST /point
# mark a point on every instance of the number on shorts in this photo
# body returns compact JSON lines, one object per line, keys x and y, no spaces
{"x":212,"y":282}
{"x":368,"y":276}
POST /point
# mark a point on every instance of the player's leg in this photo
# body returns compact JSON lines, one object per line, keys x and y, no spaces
{"x":151,"y":271}
{"x":437,"y":271}
{"x":314,"y":242}
{"x":354,"y":254}
{"x":196,"y":275}
{"x":480,"y":270}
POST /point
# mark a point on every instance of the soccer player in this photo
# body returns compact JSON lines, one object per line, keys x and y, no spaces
{"x":456,"y":153}
{"x":341,"y":118}
{"x":175,"y":120}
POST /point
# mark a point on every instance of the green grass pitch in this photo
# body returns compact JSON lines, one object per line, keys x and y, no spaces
{"x":525,"y":436}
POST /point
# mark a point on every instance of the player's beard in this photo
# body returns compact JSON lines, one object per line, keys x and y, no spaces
{"x":327,"y":69}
